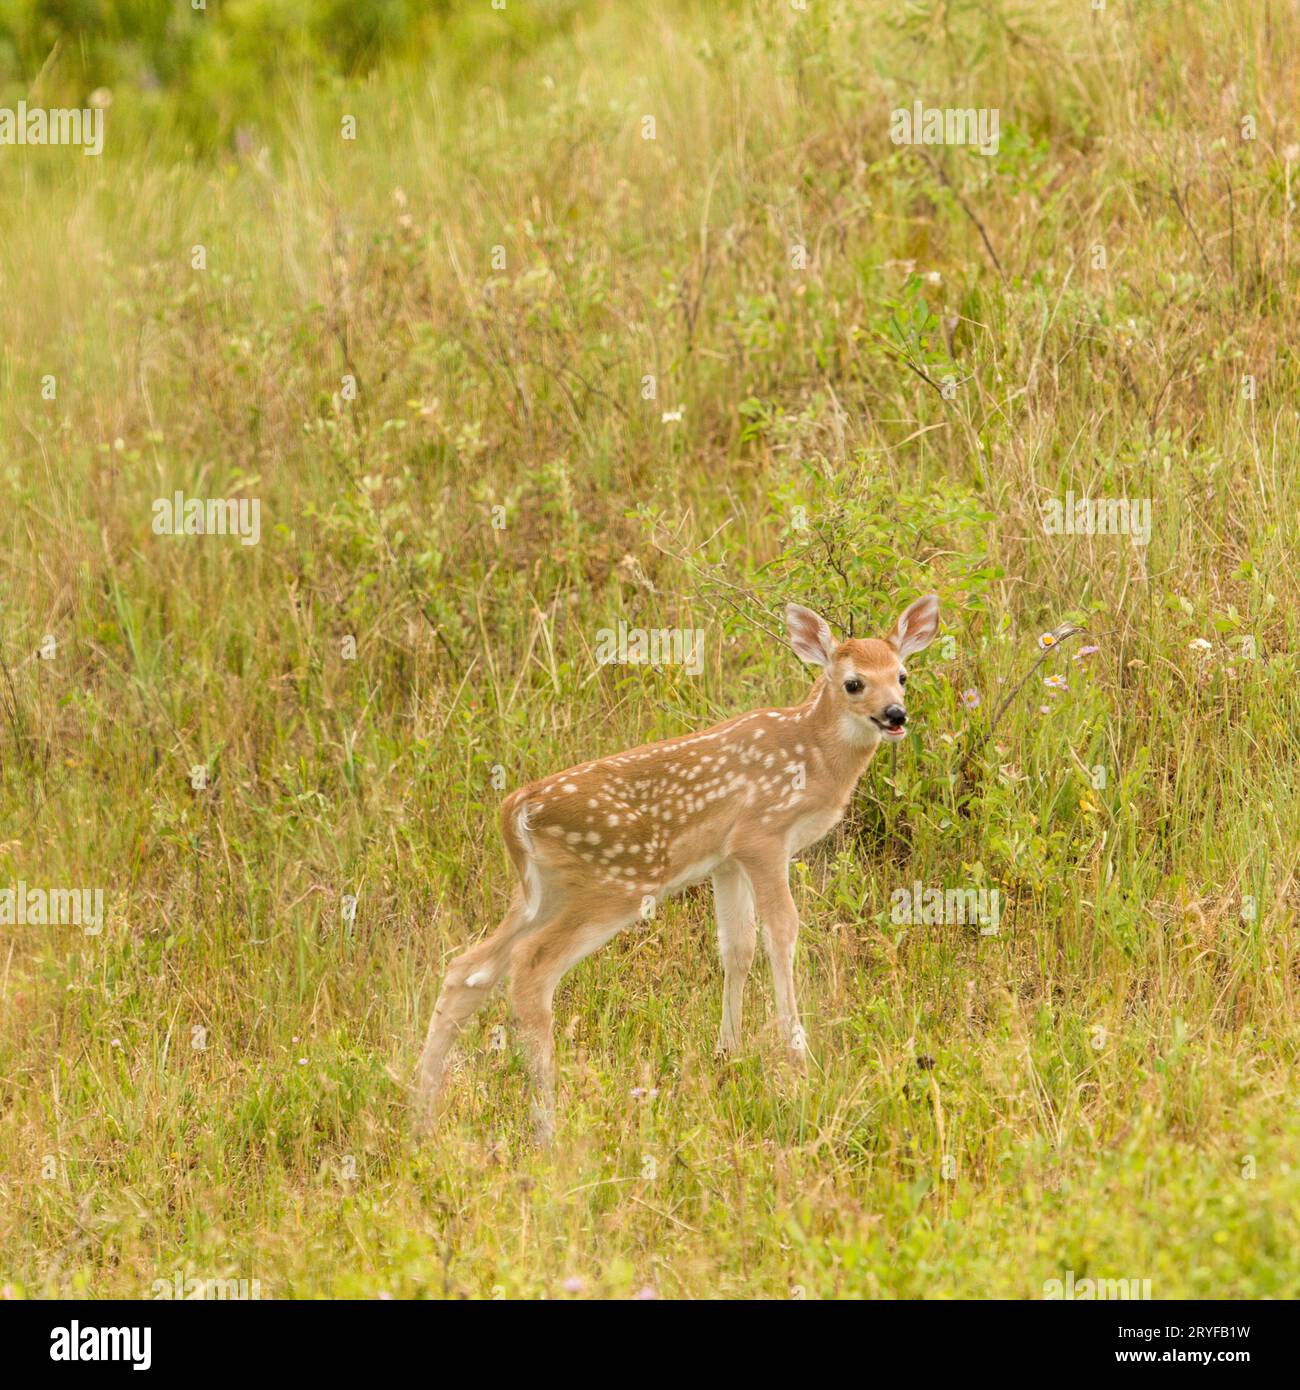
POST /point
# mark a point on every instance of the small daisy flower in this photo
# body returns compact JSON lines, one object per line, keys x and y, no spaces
{"x":573,"y":1284}
{"x":1046,"y":640}
{"x":645,"y":1294}
{"x":971,"y":699}
{"x":1085,"y":651}
{"x":1055,"y":683}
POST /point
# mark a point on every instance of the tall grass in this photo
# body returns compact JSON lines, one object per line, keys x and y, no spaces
{"x":216,"y":1082}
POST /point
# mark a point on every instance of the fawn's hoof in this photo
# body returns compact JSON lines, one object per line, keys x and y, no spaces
{"x":544,"y":1131}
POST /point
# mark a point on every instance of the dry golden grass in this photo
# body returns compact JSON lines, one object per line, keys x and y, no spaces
{"x":216,"y":1083}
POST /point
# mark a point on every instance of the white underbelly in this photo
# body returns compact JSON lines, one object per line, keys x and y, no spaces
{"x":807,"y":830}
{"x":693,"y":873}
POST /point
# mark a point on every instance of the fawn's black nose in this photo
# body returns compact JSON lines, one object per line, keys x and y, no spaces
{"x":895,"y":716}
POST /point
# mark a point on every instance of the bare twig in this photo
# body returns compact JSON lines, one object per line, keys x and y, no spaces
{"x":943,"y":178}
{"x":1059,"y":636}
{"x":1180,"y":204}
{"x":717,"y":579}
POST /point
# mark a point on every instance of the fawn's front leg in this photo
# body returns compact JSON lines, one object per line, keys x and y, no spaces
{"x":770,"y":876}
{"x":733,"y":905}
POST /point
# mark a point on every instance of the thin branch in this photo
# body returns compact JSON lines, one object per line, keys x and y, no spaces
{"x":943,"y":178}
{"x":1059,"y":635}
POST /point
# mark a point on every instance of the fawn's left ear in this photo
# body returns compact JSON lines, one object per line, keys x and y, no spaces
{"x":809,"y":635}
{"x":916,"y":628}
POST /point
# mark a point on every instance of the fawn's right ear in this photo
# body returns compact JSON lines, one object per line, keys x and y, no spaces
{"x":809,"y":635}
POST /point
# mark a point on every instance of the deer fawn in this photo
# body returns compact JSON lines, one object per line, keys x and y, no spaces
{"x":597,"y":846}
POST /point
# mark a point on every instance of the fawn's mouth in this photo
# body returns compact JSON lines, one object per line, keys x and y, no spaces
{"x":894,"y":731}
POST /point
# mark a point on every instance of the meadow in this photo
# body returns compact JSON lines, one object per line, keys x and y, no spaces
{"x":581,"y":314}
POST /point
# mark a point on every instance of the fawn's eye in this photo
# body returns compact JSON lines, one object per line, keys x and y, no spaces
{"x":854,"y":687}
{"x":902,"y":678}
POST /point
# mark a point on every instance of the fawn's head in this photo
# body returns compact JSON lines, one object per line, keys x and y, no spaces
{"x":865,"y":678}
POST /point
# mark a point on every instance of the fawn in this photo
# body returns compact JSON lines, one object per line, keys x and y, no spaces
{"x":597,"y":846}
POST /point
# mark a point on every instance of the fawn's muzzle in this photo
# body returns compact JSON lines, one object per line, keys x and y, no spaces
{"x":895,"y":716}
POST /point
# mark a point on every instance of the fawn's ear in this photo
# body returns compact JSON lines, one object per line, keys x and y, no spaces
{"x":809,"y":635}
{"x":916,"y":628}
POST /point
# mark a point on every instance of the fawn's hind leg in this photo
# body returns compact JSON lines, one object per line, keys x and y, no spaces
{"x":536,"y":967}
{"x":470,"y":978}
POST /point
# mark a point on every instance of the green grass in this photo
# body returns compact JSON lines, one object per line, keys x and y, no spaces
{"x":217,"y":1082}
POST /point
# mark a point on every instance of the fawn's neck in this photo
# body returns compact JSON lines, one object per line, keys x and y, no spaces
{"x":847,"y":745}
